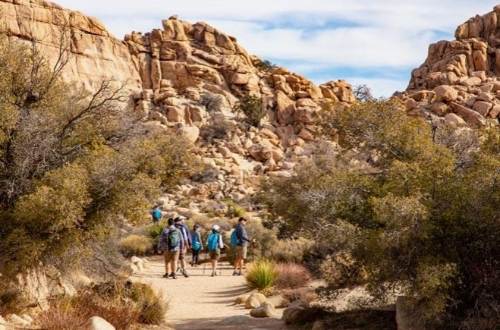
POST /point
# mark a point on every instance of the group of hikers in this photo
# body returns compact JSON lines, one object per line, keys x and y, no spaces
{"x":176,"y":240}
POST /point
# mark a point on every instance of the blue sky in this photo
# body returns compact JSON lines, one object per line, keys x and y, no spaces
{"x":373,"y":42}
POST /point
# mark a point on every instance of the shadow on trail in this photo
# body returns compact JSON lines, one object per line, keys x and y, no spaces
{"x":243,"y":322}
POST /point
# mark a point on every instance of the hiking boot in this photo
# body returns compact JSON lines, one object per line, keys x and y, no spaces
{"x":213,"y":274}
{"x":185,"y":273}
{"x":235,"y":273}
{"x":166,"y":275}
{"x":172,"y":275}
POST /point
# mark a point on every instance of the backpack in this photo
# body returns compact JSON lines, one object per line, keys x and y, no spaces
{"x":235,"y":241}
{"x":156,"y":214}
{"x":213,"y":242}
{"x":196,"y":244}
{"x":173,"y":239}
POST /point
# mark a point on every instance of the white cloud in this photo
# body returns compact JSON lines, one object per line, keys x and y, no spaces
{"x":327,"y":34}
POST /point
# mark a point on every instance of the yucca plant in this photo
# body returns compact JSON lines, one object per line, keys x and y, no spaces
{"x":261,"y":275}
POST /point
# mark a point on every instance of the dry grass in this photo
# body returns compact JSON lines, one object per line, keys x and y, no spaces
{"x":292,"y":276}
{"x":137,"y":245}
{"x":121,"y":304}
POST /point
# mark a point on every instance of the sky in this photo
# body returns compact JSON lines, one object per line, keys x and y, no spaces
{"x":373,"y":42}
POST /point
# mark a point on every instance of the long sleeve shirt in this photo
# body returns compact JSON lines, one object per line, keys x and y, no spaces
{"x":186,"y":237}
{"x":242,"y":234}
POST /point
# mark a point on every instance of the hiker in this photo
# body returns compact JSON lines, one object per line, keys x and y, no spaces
{"x":156,"y":214}
{"x":214,"y":246}
{"x":196,"y":245}
{"x":170,"y":243}
{"x":185,"y":243}
{"x":240,"y":240}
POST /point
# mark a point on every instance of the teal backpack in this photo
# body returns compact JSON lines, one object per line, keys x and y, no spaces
{"x":235,"y":241}
{"x":213,"y":242}
{"x":196,"y":245}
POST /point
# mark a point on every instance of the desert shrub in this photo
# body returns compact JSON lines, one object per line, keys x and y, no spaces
{"x":120,"y":303}
{"x":234,"y":209}
{"x":261,"y":274}
{"x":251,"y":106}
{"x":401,"y":211}
{"x":219,"y":129}
{"x":152,"y":308}
{"x":265,"y":65}
{"x":11,"y":300}
{"x":290,"y":250}
{"x":154,"y":231}
{"x":292,"y":276}
{"x":74,"y":164}
{"x":212,"y":102}
{"x":136,"y":245}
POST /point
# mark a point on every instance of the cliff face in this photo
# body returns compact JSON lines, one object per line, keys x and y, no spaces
{"x":459,"y":79}
{"x":96,"y":55}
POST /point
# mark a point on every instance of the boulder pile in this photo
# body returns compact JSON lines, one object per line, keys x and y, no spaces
{"x":458,"y":84}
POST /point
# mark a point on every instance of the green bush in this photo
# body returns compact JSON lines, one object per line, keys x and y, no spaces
{"x":261,"y":274}
{"x":413,"y":216}
{"x":136,"y":245}
{"x":74,"y":164}
{"x":234,"y":210}
{"x":252,"y":107}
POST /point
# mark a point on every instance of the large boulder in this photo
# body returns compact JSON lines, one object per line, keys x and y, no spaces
{"x":191,"y":133}
{"x":265,"y":310}
{"x":255,"y":300}
{"x":445,"y":93}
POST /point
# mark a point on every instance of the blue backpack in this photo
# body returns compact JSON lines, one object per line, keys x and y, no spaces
{"x":235,"y":241}
{"x":213,"y":242}
{"x":156,"y":214}
{"x":196,"y":245}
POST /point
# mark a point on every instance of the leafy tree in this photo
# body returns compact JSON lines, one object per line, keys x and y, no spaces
{"x":72,"y":164}
{"x":405,"y":211}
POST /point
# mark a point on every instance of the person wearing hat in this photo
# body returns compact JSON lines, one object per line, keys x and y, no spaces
{"x":242,"y":241}
{"x":214,"y":246}
{"x":185,"y":243}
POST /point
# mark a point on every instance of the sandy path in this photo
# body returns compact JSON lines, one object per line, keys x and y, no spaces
{"x":202,"y":302}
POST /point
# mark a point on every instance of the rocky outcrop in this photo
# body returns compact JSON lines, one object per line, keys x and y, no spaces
{"x":95,"y":54}
{"x":186,"y":78}
{"x":460,"y":77}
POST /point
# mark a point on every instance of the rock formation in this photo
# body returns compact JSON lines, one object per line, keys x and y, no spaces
{"x":187,"y":78}
{"x":96,"y":54}
{"x":458,"y":82}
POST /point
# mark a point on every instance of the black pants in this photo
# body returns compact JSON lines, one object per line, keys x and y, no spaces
{"x":196,"y":257}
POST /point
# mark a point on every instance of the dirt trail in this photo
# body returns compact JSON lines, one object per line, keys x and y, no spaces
{"x":201,"y":302}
